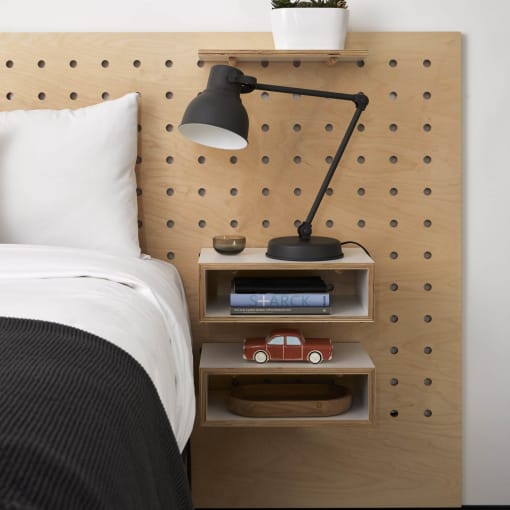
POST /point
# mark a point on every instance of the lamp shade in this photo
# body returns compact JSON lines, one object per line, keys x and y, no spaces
{"x":216,"y":117}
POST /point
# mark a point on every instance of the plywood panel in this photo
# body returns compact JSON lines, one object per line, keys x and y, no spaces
{"x":397,"y":191}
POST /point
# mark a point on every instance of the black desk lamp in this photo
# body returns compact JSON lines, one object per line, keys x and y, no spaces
{"x":217,"y":118}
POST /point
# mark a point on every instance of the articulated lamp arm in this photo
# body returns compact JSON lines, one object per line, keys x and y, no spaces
{"x":249,"y":83}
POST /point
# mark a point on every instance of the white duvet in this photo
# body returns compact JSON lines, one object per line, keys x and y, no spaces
{"x":136,"y":304}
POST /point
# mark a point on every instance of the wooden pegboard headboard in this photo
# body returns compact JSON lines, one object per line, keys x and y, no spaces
{"x":397,"y":191}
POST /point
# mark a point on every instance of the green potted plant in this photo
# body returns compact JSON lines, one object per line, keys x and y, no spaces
{"x":309,"y":25}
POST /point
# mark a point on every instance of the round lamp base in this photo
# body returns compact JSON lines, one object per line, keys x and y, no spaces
{"x":295,"y":248}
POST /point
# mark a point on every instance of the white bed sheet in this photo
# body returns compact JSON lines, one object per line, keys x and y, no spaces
{"x":136,"y":304}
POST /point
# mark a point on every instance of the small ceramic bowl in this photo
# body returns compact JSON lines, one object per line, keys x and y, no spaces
{"x":229,"y":245}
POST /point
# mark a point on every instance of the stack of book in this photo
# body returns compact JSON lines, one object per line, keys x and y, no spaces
{"x":303,"y":295}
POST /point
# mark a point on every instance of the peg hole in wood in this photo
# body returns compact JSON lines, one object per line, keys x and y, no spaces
{"x":9,"y":64}
{"x":427,"y":287}
{"x":233,"y":160}
{"x":201,"y":192}
{"x":394,"y":287}
{"x":361,"y":223}
{"x":392,"y":62}
{"x":393,"y":192}
{"x":169,"y":63}
{"x":105,"y":63}
{"x":234,"y":223}
{"x":137,"y":63}
{"x":265,"y":128}
{"x":393,"y":127}
{"x":202,"y":223}
{"x":170,"y":255}
{"x":234,"y":192}
{"x":170,"y":224}
{"x":330,"y":223}
{"x":266,"y":223}
{"x":41,"y":96}
{"x":169,"y":160}
{"x":393,"y":223}
{"x":169,"y":128}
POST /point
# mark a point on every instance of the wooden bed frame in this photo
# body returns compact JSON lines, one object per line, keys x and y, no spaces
{"x":397,"y":191}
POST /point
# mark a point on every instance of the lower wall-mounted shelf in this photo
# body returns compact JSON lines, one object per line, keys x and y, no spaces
{"x":222,"y":370}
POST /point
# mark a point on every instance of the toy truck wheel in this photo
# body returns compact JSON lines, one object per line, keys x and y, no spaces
{"x":315,"y":357}
{"x":260,"y":357}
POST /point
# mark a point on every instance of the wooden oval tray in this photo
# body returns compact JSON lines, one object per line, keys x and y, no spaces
{"x":289,"y":400}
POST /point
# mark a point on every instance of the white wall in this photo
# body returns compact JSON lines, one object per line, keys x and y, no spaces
{"x":486,"y":172}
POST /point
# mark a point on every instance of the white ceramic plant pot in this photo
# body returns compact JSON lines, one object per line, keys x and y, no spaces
{"x":309,"y":28}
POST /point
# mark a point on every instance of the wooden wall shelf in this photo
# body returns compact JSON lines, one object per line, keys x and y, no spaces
{"x":222,"y":365}
{"x":330,"y":57}
{"x":352,"y":278}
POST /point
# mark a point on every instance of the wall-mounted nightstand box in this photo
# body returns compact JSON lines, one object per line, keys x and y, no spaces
{"x":222,"y":369}
{"x":351,"y":279}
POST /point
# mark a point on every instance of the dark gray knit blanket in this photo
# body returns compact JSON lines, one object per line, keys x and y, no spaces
{"x":81,"y":425}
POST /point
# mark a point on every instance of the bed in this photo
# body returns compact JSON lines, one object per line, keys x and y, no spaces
{"x":97,"y":396}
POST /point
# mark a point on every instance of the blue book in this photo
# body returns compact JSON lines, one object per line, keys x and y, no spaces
{"x":279,"y":300}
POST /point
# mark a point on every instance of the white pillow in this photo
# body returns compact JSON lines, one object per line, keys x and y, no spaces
{"x":67,"y":177}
